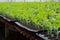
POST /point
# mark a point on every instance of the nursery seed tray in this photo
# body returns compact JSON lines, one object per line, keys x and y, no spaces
{"x":37,"y":33}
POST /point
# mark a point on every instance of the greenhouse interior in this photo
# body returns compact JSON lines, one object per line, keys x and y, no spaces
{"x":29,"y":19}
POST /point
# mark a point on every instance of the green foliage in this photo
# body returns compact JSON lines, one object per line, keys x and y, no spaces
{"x":38,"y":13}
